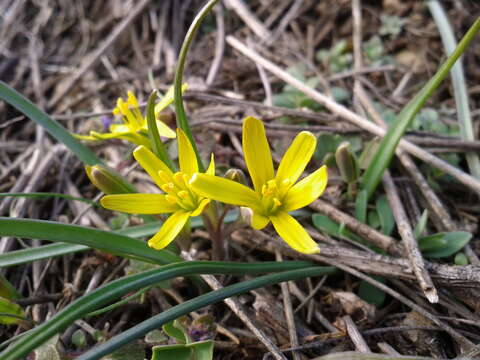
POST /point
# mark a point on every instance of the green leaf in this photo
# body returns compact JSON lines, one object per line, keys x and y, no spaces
{"x":422,"y":223}
{"x":52,"y":250}
{"x":461,"y":259}
{"x":117,"y":288}
{"x":10,"y":313}
{"x":361,"y":204}
{"x":188,"y":306}
{"x":384,"y":155}
{"x":387,"y":221}
{"x":7,"y":290}
{"x":324,"y":223}
{"x":172,"y":352}
{"x":370,"y":293}
{"x":460,"y":92}
{"x":31,"y":111}
{"x":79,"y":235}
{"x":432,"y":242}
{"x":176,"y":330}
{"x":452,"y":243}
{"x":153,"y":134}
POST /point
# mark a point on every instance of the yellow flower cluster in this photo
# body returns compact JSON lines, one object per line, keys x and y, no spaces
{"x":186,"y":193}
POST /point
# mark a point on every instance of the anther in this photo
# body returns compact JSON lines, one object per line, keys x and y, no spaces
{"x":182,"y":194}
{"x":172,"y":199}
{"x":167,"y":187}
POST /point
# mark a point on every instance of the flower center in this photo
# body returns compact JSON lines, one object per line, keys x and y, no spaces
{"x":177,"y":190}
{"x":272,"y":195}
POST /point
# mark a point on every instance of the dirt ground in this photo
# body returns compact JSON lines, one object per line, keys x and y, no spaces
{"x":74,"y":59}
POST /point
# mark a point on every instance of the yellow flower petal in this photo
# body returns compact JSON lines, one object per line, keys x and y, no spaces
{"x":200,"y":207}
{"x":186,"y":154}
{"x":151,"y":164}
{"x":227,"y":191}
{"x":211,"y":166}
{"x":296,"y":157}
{"x":164,"y":130}
{"x":259,"y":221}
{"x":306,"y":190}
{"x":169,"y":230}
{"x":257,"y":152}
{"x":167,"y":99}
{"x":293,"y":233}
{"x":119,"y":128}
{"x":138,"y":203}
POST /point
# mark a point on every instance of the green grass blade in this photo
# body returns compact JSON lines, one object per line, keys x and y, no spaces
{"x":118,"y":288}
{"x":386,"y":150}
{"x":79,"y":235}
{"x":31,"y":111}
{"x":38,"y":253}
{"x":52,"y":250}
{"x":197,"y":303}
{"x":458,"y":82}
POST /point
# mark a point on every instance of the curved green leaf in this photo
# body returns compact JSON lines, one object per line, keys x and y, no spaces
{"x":30,"y":110}
{"x":117,"y":288}
{"x":386,"y":150}
{"x":194,"y":304}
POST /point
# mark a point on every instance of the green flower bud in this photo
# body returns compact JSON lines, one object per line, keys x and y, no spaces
{"x":347,"y":163}
{"x":107,"y":180}
{"x":236,"y":175}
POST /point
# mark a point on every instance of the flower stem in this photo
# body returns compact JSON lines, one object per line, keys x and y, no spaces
{"x":179,"y":109}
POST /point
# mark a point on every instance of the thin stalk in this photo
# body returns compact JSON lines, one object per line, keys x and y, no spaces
{"x":182,"y":121}
{"x":154,"y":136}
{"x":194,"y":304}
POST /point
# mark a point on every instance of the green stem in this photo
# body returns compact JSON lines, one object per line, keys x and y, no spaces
{"x":117,"y":288}
{"x":182,"y":121}
{"x":194,"y":304}
{"x":155,"y":141}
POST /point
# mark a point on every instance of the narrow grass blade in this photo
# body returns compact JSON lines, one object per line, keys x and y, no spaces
{"x":79,"y":235}
{"x":458,"y":81}
{"x":195,"y":304}
{"x":386,"y":150}
{"x":30,"y":110}
{"x":118,"y":288}
{"x":52,"y":250}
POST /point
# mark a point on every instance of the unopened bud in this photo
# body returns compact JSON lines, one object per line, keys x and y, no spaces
{"x":107,"y":181}
{"x":236,"y":175}
{"x":246,"y":214}
{"x":347,"y":163}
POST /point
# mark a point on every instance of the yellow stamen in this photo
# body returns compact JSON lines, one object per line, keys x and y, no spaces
{"x":172,"y":199}
{"x":168,"y":187}
{"x":164,"y":176}
{"x":182,"y":194}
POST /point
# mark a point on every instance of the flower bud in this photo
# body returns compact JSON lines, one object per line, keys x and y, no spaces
{"x":347,"y":163}
{"x":106,"y":180}
{"x":236,"y":175}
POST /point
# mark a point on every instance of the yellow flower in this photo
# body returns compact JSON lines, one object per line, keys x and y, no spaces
{"x":178,"y":198}
{"x":134,"y":127}
{"x":273,"y":195}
